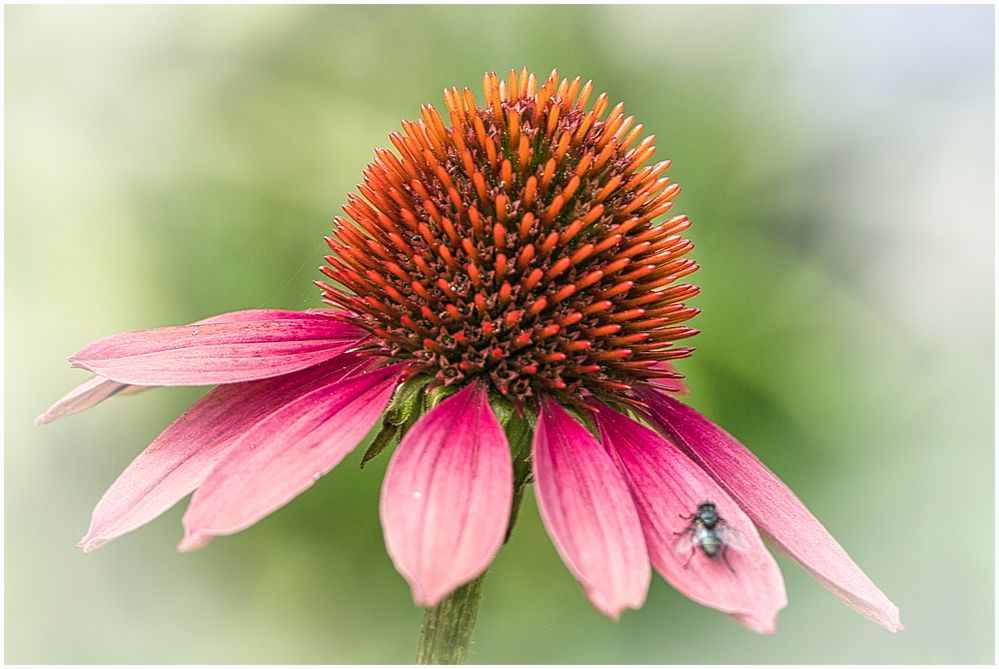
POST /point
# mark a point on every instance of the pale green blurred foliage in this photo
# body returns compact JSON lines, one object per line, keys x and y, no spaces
{"x":164,"y":164}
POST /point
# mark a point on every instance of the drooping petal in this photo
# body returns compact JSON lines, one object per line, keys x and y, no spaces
{"x":772,"y":506}
{"x":219,"y":352}
{"x":90,"y":393}
{"x":284,"y":453}
{"x":744,"y":581}
{"x":97,"y":388}
{"x":589,"y":513}
{"x":446,"y":497}
{"x":183,"y":455}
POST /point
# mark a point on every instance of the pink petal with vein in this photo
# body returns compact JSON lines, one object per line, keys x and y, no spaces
{"x":219,"y":352}
{"x":667,"y":486}
{"x":284,"y":453}
{"x":96,"y":389}
{"x":184,"y":454}
{"x":254,"y":315}
{"x":772,"y":506}
{"x":589,"y":513}
{"x":446,"y":497}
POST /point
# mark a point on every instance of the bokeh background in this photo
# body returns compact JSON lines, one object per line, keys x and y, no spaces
{"x":163,"y":164}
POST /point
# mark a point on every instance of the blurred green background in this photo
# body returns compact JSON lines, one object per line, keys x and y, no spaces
{"x":164,"y":164}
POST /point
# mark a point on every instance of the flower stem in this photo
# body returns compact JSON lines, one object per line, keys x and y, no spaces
{"x":447,"y":627}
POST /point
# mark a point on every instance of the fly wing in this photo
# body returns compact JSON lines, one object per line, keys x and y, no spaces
{"x":685,"y":541}
{"x":732,"y":538}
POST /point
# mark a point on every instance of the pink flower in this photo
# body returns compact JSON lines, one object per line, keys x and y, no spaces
{"x":506,"y":306}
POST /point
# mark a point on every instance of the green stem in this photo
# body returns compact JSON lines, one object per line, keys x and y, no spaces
{"x":447,"y":627}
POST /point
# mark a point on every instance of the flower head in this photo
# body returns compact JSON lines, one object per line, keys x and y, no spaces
{"x":507,"y":303}
{"x":520,"y":246}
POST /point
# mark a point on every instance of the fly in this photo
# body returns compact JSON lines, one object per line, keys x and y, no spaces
{"x":708,"y":531}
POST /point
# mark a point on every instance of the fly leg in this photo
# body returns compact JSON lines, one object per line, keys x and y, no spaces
{"x":686,"y":532}
{"x":724,"y":553}
{"x":690,"y":557}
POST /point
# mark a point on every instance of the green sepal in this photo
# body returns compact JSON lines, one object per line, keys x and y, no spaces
{"x":407,"y":406}
{"x":407,"y":401}
{"x":386,"y":436}
{"x":520,"y":435}
{"x":439,"y":394}
{"x":502,"y":408}
{"x":519,"y":431}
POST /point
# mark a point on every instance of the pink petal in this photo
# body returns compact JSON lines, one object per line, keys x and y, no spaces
{"x":90,"y":393}
{"x":285,"y":452}
{"x":219,"y":352}
{"x":184,"y":454}
{"x":446,"y":496}
{"x":96,"y":389}
{"x":256,"y":315}
{"x":771,"y":505}
{"x":589,"y":513}
{"x":667,"y":487}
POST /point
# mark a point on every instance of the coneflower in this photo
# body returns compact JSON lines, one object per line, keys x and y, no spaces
{"x":508,"y":298}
